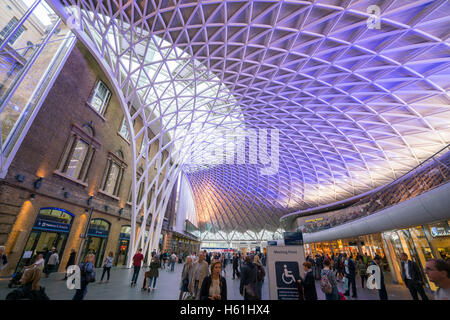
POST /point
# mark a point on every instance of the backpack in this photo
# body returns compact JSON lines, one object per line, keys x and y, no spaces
{"x":260,"y":273}
{"x":88,"y":276}
{"x":325,"y":284}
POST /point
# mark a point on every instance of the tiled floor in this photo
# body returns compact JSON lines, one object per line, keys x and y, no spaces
{"x":168,"y":285}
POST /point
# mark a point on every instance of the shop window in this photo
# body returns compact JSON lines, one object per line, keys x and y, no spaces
{"x":78,"y":153}
{"x":100,"y":97}
{"x":114,"y":172}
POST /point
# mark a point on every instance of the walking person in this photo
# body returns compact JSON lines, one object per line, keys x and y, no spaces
{"x":87,"y":276}
{"x":214,"y":286}
{"x":137,"y":262}
{"x":438,"y":270}
{"x":350,"y":274}
{"x":201,"y":271}
{"x":328,"y":282}
{"x":249,"y":280}
{"x":261,"y":274}
{"x":70,"y":262}
{"x":3,"y":258}
{"x":52,"y":263}
{"x":153,"y":274}
{"x":382,"y":293}
{"x":186,"y":278}
{"x":173,"y":259}
{"x":307,"y":282}
{"x":412,"y":277}
{"x":235,"y":266}
{"x":362,"y":270}
{"x":107,"y":264}
{"x":30,"y":289}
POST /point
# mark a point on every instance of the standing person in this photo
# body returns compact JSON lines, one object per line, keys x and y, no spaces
{"x":318,"y":267}
{"x":186,"y":277}
{"x":70,"y":262}
{"x":249,"y":281}
{"x":261,"y":274}
{"x":362,"y":270}
{"x":328,"y":283}
{"x":412,"y":277}
{"x":107,"y":264}
{"x":382,"y":293}
{"x":235,"y":266}
{"x":201,"y":271}
{"x":153,"y":273}
{"x":308,"y":283}
{"x":52,"y":262}
{"x":161,"y":260}
{"x":438,"y":270}
{"x":224,"y":265}
{"x":173,"y":259}
{"x":87,"y":276}
{"x":350,"y":274}
{"x":214,"y":286}
{"x":3,"y":258}
{"x":137,"y":262}
{"x":30,"y":290}
{"x":207,"y":257}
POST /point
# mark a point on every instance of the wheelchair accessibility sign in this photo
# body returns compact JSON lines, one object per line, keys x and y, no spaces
{"x":287,"y":273}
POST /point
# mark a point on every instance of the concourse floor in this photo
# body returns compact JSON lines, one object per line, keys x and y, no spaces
{"x":168,"y":285}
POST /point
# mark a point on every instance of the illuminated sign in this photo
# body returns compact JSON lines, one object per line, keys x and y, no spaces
{"x":314,"y":220}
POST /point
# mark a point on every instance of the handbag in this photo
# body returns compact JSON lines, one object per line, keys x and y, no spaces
{"x":346,"y":284}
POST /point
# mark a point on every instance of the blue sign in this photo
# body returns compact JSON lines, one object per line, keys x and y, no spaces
{"x":47,"y":225}
{"x":98,"y":233}
{"x":272,"y":243}
{"x":124,"y":236}
{"x":287,"y":273}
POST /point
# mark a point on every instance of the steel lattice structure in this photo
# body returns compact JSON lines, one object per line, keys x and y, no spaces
{"x":355,"y":107}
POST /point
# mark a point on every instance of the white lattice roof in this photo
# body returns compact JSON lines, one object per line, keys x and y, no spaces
{"x":354,"y":107}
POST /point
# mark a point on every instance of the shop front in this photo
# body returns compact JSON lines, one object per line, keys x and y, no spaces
{"x":420,"y":243}
{"x":51,"y":229}
{"x":122,"y":248}
{"x":97,"y":239}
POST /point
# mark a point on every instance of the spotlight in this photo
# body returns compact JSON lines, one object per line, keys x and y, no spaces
{"x":38,"y":183}
{"x":89,"y":201}
{"x":121,"y":211}
{"x":66,"y":194}
{"x":106,"y":208}
{"x":32,"y":196}
{"x":20,"y":177}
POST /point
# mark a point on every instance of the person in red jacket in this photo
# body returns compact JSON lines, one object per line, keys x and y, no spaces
{"x":137,"y":261}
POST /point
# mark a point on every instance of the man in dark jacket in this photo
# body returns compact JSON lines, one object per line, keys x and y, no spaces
{"x":412,"y":277}
{"x":249,"y":277}
{"x":235,"y":266}
{"x":308,"y":283}
{"x":382,"y":293}
{"x":70,"y":262}
{"x":350,"y":274}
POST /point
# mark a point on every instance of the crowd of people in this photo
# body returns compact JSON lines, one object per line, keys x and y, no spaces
{"x":203,"y":276}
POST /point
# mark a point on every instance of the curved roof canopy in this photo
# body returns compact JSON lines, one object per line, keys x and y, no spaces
{"x":352,"y":107}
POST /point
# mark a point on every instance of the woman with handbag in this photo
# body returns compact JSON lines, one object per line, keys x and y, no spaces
{"x":87,"y":271}
{"x":107,"y":266}
{"x":249,"y":280}
{"x":186,"y":277}
{"x":214,"y":286}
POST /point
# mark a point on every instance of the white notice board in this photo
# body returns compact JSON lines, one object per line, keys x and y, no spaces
{"x":284,"y":265}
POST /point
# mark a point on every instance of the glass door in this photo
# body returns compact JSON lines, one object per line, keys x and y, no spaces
{"x":121,"y":256}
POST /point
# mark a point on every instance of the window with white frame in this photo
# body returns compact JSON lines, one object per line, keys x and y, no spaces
{"x":78,"y":153}
{"x":114,"y":172}
{"x":124,"y":130}
{"x":100,"y":97}
{"x":11,"y":24}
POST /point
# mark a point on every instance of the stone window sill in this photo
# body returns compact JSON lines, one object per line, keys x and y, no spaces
{"x":84,"y":184}
{"x":109,"y":195}
{"x":95,"y":111}
{"x":126,"y":140}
